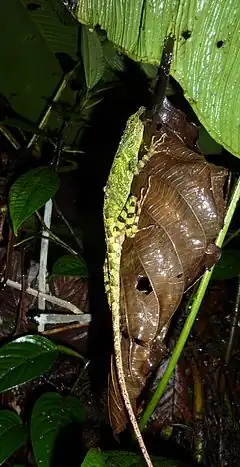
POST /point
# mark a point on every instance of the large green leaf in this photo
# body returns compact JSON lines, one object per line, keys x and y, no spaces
{"x":206,"y":52}
{"x":50,"y":414}
{"x":24,"y":359}
{"x":70,"y":265}
{"x":12,"y":434}
{"x":30,"y":192}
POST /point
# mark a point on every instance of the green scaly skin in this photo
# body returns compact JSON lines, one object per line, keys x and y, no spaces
{"x":117,"y":202}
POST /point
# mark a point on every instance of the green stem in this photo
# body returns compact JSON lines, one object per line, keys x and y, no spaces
{"x":55,"y":238}
{"x":192,"y":315}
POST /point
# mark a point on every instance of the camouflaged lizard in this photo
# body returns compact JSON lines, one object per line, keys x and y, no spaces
{"x":121,"y":212}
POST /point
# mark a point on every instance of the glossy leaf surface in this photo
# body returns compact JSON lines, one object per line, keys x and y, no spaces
{"x":25,"y":358}
{"x":30,"y":192}
{"x":206,"y":52}
{"x":70,"y":265}
{"x":181,"y":215}
{"x":12,"y":434}
{"x":51,"y":413}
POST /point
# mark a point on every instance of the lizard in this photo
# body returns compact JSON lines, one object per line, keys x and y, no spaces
{"x":121,"y":212}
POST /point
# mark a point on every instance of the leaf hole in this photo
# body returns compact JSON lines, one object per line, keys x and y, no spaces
{"x":33,"y":6}
{"x":143,"y":285}
{"x":138,"y":342}
{"x":219,"y":44}
{"x":186,"y":35}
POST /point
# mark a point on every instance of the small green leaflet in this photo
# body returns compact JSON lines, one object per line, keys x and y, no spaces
{"x":92,"y":55}
{"x":30,"y":192}
{"x":12,"y":434}
{"x":50,"y":415}
{"x":70,"y":265}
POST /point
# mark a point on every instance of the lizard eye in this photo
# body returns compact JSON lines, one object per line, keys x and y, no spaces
{"x":143,"y":285}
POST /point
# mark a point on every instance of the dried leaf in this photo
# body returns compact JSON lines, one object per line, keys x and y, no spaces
{"x":181,"y":215}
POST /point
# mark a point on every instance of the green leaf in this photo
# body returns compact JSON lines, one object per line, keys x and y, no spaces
{"x":12,"y":434}
{"x":25,"y":358}
{"x":114,"y":59}
{"x":228,"y":266}
{"x":50,"y":414}
{"x":92,"y":55}
{"x":70,"y":265}
{"x":36,"y":69}
{"x":206,"y":143}
{"x":56,"y":25}
{"x":130,"y":459}
{"x":94,"y":458}
{"x":30,"y":192}
{"x":206,"y":59}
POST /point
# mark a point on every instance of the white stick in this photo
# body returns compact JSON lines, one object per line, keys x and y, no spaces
{"x":49,"y":298}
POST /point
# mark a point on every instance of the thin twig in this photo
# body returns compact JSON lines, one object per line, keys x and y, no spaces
{"x":11,"y":139}
{"x":49,"y":298}
{"x":234,"y":324}
{"x":55,"y":99}
{"x":67,"y":223}
{"x":55,"y":237}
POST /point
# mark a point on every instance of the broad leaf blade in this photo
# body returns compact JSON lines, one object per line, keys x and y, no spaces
{"x":50,"y":414}
{"x":206,"y":51}
{"x":36,"y":69}
{"x":92,"y":55}
{"x":30,"y":192}
{"x":70,"y":265}
{"x":24,"y":359}
{"x":12,"y":434}
{"x":207,"y":67}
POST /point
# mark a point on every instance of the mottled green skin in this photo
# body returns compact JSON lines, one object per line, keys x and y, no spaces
{"x":116,"y":205}
{"x":123,"y":169}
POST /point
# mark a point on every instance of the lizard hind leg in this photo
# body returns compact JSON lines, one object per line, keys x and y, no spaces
{"x":129,"y":217}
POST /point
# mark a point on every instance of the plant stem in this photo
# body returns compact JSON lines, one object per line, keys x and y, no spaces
{"x":192,"y":315}
{"x":55,"y":238}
